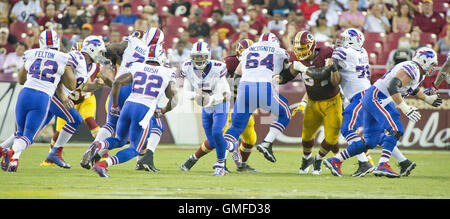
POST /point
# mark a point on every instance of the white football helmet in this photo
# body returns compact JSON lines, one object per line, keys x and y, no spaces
{"x":156,"y":53}
{"x":49,"y":39}
{"x":153,"y":36}
{"x":270,"y":37}
{"x":426,"y":58}
{"x":200,"y":55}
{"x":94,"y":47}
{"x":352,"y":38}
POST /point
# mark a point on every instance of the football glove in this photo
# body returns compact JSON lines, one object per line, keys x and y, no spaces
{"x":433,"y":100}
{"x":411,"y":112}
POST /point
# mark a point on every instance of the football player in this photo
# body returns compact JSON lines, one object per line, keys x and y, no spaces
{"x":322,"y":101}
{"x":249,"y":134}
{"x":205,"y":82}
{"x":380,"y":114}
{"x":131,"y":50}
{"x":253,"y":76}
{"x":149,"y":81}
{"x":84,"y":102}
{"x":45,"y":71}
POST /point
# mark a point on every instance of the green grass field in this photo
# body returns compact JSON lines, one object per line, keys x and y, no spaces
{"x":430,"y":179}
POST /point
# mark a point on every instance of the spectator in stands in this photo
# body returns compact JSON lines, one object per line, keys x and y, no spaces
{"x":141,"y":24}
{"x":125,"y":17}
{"x":299,"y":19}
{"x":256,"y":26}
{"x":30,"y":41}
{"x":149,"y":13}
{"x":5,"y":46}
{"x":86,"y":30}
{"x":101,"y":16}
{"x":402,"y":20}
{"x":224,"y":29}
{"x":263,"y":3}
{"x":184,"y":38}
{"x":207,"y":6}
{"x":321,"y":32}
{"x":198,"y":28}
{"x":120,"y":3}
{"x":352,"y":17}
{"x":5,"y":6}
{"x":288,"y":36}
{"x":229,"y":16}
{"x":429,"y":20}
{"x":401,"y":54}
{"x":180,"y":8}
{"x":282,"y":7}
{"x":414,"y":40}
{"x":71,"y":23}
{"x":26,"y":11}
{"x":50,"y":15}
{"x":114,"y":36}
{"x":443,"y":44}
{"x":277,"y":24}
{"x":444,"y":30}
{"x":331,"y":16}
{"x":308,"y":7}
{"x":218,"y":49}
{"x":376,"y":21}
{"x":14,"y":60}
{"x":178,"y":55}
{"x":243,"y":32}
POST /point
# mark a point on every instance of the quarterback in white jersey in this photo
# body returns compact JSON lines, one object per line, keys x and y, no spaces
{"x":205,"y":81}
{"x":150,"y":80}
{"x":41,"y":75}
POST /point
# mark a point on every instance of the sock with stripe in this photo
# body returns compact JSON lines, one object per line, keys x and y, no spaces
{"x":64,"y":136}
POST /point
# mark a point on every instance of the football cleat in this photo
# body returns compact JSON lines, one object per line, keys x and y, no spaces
{"x":146,"y":162}
{"x":219,"y":170}
{"x":189,"y":163}
{"x":100,"y":168}
{"x":306,"y":164}
{"x":266,"y":149}
{"x":6,"y":158}
{"x":245,"y":168}
{"x":13,"y":165}
{"x":363,"y":169}
{"x":89,"y":157}
{"x":317,"y":166}
{"x":55,"y":157}
{"x":406,"y":167}
{"x":384,"y":169}
{"x":46,"y":163}
{"x":334,"y":165}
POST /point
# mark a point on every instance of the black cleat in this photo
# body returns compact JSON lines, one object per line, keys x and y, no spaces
{"x":146,"y":162}
{"x":266,"y":149}
{"x":317,"y":166}
{"x":306,"y":164}
{"x":245,"y":168}
{"x":363,"y":169}
{"x":406,"y":167}
{"x":189,"y":163}
{"x":90,"y":157}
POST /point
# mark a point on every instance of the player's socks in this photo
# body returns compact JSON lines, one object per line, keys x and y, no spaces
{"x":245,"y":151}
{"x":203,"y":150}
{"x":104,"y":132}
{"x":92,"y":126}
{"x":362,"y":157}
{"x":307,"y":147}
{"x":153,"y":141}
{"x":273,"y":133}
{"x":8,"y":142}
{"x":398,"y":155}
{"x":64,"y":136}
{"x":20,"y":144}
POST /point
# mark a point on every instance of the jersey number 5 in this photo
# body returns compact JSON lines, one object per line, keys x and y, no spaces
{"x":152,"y":83}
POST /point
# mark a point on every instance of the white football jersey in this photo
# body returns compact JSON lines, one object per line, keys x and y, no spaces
{"x":355,"y":75}
{"x":80,"y":67}
{"x":261,"y":61}
{"x":411,"y":69}
{"x":45,"y":68}
{"x":212,"y":79}
{"x":149,"y":83}
{"x":135,"y":52}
